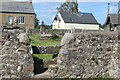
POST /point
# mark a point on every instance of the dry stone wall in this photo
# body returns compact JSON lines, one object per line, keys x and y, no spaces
{"x":46,"y":49}
{"x":89,"y":54}
{"x":15,"y":58}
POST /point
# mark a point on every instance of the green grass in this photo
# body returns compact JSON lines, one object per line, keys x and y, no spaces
{"x":43,"y":56}
{"x":36,"y":41}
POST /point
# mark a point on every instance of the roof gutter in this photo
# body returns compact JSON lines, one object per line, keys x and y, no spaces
{"x":16,"y":12}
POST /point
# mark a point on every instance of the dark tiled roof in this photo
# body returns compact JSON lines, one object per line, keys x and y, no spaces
{"x":82,"y":18}
{"x":114,"y":18}
{"x":119,"y":19}
{"x":17,"y":7}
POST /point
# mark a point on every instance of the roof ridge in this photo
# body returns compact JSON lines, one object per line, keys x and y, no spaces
{"x":84,"y":13}
{"x":76,"y":12}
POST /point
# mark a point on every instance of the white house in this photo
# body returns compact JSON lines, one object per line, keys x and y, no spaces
{"x":66,"y":20}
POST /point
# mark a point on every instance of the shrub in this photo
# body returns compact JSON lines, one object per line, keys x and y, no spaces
{"x":54,"y":36}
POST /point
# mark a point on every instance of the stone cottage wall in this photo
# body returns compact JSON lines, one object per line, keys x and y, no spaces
{"x":88,"y":54}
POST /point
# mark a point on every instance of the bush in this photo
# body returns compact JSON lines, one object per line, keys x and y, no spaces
{"x":54,"y":36}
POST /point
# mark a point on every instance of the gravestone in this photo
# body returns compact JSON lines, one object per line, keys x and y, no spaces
{"x":46,"y":36}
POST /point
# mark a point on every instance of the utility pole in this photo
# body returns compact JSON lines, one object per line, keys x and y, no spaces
{"x":108,"y":8}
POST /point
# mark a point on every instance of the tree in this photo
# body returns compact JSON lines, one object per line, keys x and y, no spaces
{"x":70,"y":6}
{"x":36,"y":21}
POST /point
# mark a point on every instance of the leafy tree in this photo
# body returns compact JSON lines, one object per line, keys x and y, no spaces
{"x":70,"y":6}
{"x":36,"y":22}
{"x":49,"y":26}
{"x":103,"y":26}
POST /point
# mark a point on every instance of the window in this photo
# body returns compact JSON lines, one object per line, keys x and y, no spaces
{"x":10,"y":19}
{"x":21,"y":20}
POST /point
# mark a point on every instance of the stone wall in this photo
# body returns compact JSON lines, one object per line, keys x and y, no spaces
{"x":16,"y":58}
{"x":34,"y":31}
{"x":29,"y":20}
{"x":45,"y":49}
{"x":89,"y":54}
{"x":55,"y":31}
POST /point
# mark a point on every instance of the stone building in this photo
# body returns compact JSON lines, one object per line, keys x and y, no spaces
{"x":17,"y":13}
{"x":113,"y":20}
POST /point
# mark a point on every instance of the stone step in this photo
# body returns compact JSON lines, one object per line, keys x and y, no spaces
{"x":43,"y":75}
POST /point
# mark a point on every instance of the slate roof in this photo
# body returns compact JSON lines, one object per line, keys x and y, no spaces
{"x":81,"y":18}
{"x":17,"y":7}
{"x":114,"y":18}
{"x":119,"y":19}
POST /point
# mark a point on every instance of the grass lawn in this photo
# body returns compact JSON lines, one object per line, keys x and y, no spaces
{"x":36,"y":41}
{"x":43,"y":56}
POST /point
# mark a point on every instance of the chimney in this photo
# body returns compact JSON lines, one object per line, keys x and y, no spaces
{"x":30,"y":1}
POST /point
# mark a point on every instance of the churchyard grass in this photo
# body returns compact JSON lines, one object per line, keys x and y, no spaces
{"x":43,"y":56}
{"x":36,"y":41}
